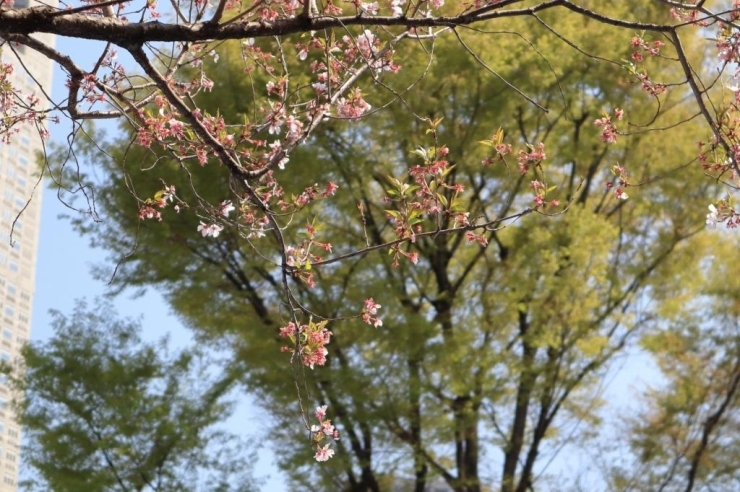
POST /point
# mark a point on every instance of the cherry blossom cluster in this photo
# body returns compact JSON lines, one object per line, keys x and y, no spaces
{"x":720,"y":154}
{"x":322,"y":431}
{"x":540,"y":194}
{"x":728,"y":47}
{"x":93,"y":88}
{"x":308,"y":342}
{"x":353,"y":106}
{"x":531,"y":158}
{"x":370,"y":311}
{"x":429,"y":196}
{"x":307,"y":196}
{"x":395,"y":6}
{"x":210,"y":229}
{"x":528,"y":159}
{"x":17,"y":109}
{"x":286,"y":117}
{"x":473,"y":237}
{"x":723,"y":212}
{"x":619,"y":182}
{"x":711,"y":155}
{"x":367,"y":48}
{"x":405,"y":217}
{"x":346,"y":56}
{"x":687,"y":15}
{"x":300,"y":258}
{"x":609,"y":130}
{"x":501,"y":149}
{"x":149,"y":207}
{"x":284,"y":123}
{"x":642,"y":48}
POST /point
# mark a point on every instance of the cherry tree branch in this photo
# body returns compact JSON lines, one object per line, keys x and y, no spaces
{"x":76,"y":75}
{"x":226,"y":157}
{"x":231,"y":162}
{"x":216,"y":18}
{"x":486,"y":226}
{"x":128,"y":35}
{"x":698,"y":96}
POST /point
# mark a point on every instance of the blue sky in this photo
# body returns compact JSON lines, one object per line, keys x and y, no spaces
{"x":63,"y":275}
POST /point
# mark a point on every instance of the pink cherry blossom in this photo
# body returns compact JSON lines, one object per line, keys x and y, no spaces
{"x":177,"y":128}
{"x":396,"y":8}
{"x":149,"y":213}
{"x":371,"y":306}
{"x":330,"y":189}
{"x":324,"y":453}
{"x":369,"y":7}
{"x":212,"y":230}
{"x":369,"y":312}
{"x":354,"y":106}
{"x":609,"y":132}
{"x":225,"y":208}
{"x":712,"y":217}
{"x":327,"y":428}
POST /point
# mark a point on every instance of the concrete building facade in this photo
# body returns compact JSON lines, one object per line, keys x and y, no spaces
{"x":20,"y":214}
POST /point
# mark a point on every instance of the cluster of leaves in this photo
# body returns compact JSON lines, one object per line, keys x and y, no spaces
{"x":103,"y":410}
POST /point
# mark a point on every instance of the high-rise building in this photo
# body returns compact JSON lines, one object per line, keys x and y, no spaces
{"x":20,"y":214}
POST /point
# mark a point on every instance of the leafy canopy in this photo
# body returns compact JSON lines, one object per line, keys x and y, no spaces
{"x":103,"y":411}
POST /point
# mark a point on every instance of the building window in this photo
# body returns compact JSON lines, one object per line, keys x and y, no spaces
{"x":5,"y":357}
{"x":11,"y":289}
{"x":9,"y":311}
{"x":9,"y":480}
{"x":13,"y":266}
{"x":7,"y":334}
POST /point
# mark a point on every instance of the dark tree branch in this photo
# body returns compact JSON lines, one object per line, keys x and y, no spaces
{"x":127,"y":34}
